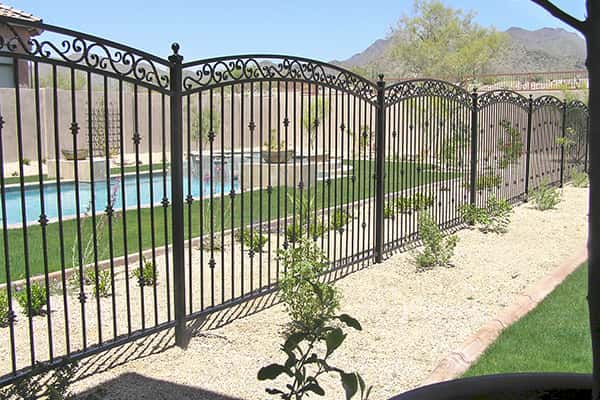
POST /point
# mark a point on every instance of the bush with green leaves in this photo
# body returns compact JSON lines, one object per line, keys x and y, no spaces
{"x":510,"y":144}
{"x":34,"y":305}
{"x":146,"y":275}
{"x":4,"y":308}
{"x":421,"y":201}
{"x":316,"y":229}
{"x":388,"y":210}
{"x":487,"y":182}
{"x":545,"y":196}
{"x":404,"y":204}
{"x":494,"y":217}
{"x":437,"y":249}
{"x":339,"y":220}
{"x":293,"y":232}
{"x":315,"y":331}
{"x":253,"y":240}
{"x":579,"y":179}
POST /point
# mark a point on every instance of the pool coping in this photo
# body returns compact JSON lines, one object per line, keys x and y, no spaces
{"x":461,"y":359}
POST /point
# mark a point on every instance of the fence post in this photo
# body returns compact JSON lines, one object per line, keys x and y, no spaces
{"x":177,"y":195}
{"x":379,"y":170}
{"x":562,"y":146}
{"x":528,"y":145}
{"x":473,"y":177}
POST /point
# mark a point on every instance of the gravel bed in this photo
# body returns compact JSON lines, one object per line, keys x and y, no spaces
{"x":411,"y":320}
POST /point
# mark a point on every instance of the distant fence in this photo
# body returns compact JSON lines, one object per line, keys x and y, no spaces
{"x":233,"y":158}
{"x":527,"y":81}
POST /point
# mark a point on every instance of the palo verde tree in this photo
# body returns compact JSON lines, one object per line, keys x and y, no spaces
{"x":590,"y":29}
{"x":442,"y":42}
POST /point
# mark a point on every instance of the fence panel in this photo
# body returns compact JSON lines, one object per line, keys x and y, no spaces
{"x":577,"y":121}
{"x":546,"y":150}
{"x":428,"y":151}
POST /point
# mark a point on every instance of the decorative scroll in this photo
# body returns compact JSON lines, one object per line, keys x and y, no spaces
{"x":503,"y":96}
{"x":230,"y":70}
{"x":545,"y":101}
{"x":84,"y":50}
{"x":427,"y":87}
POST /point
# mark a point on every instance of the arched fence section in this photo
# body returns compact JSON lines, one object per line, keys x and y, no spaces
{"x":138,"y":193}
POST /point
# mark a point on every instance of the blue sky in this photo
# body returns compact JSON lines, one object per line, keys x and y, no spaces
{"x":321,"y":29}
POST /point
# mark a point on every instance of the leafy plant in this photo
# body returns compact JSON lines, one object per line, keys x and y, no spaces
{"x":316,"y":229}
{"x":487,"y":182}
{"x":511,"y":144}
{"x":388,"y":210}
{"x":404,"y":204}
{"x":452,"y":151}
{"x":315,"y":331}
{"x":274,"y":144}
{"x":34,"y":305}
{"x":146,"y":275}
{"x":339,"y":220}
{"x":545,"y":196}
{"x":494,"y":217}
{"x":313,"y":118}
{"x":421,"y":201}
{"x":253,"y":240}
{"x":293,"y":232}
{"x":4,"y":308}
{"x":437,"y":250}
{"x":103,"y":289}
{"x":579,"y":179}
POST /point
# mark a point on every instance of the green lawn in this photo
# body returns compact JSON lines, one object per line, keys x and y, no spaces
{"x":554,"y":337}
{"x":260,"y":202}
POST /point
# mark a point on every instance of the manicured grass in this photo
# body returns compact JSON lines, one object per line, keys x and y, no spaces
{"x":554,"y":337}
{"x":258,"y":205}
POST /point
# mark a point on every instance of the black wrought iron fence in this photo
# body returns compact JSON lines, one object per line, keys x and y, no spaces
{"x":220,"y":163}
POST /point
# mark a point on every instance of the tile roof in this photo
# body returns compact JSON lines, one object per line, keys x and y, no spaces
{"x":8,"y":11}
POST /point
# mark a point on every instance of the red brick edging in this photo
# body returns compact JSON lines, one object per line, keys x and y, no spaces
{"x":458,"y":361}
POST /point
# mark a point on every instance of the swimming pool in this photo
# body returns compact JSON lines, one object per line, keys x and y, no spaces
{"x":100,"y":192}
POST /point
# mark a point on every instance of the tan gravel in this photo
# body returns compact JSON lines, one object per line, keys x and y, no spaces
{"x":410,"y":320}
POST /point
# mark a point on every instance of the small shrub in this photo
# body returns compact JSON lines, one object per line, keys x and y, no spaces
{"x":293,"y":232}
{"x":421,"y":202}
{"x":494,"y":217}
{"x":404,"y":204}
{"x":579,"y":179}
{"x":211,"y":244}
{"x":38,"y":299}
{"x":511,"y":144}
{"x":26,"y":161}
{"x":545,"y":196}
{"x":315,"y":331}
{"x":437,"y":250}
{"x":339,"y":220}
{"x":104,"y":288}
{"x":253,"y":240}
{"x":146,"y":275}
{"x":388,"y":210}
{"x":4,"y":309}
{"x":316,"y":229}
{"x":487,"y":182}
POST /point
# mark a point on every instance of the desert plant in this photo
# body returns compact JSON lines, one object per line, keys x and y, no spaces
{"x":103,"y":288}
{"x":404,"y":204}
{"x":511,"y":144}
{"x":315,"y":329}
{"x":494,"y":217}
{"x":421,"y":201}
{"x":579,"y":179}
{"x":253,"y":240}
{"x":146,"y":275}
{"x":545,"y":196}
{"x":35,"y":304}
{"x":487,"y":182}
{"x":293,"y":232}
{"x":4,"y":309}
{"x":339,"y":220}
{"x":316,"y":229}
{"x":437,"y":250}
{"x":388,"y":210}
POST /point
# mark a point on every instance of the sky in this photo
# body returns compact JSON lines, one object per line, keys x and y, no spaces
{"x":319,"y":29}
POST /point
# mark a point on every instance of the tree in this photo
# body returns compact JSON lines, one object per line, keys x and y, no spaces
{"x":445,"y":43}
{"x":590,"y":28}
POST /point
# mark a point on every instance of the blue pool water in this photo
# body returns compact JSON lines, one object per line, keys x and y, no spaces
{"x":101,"y":194}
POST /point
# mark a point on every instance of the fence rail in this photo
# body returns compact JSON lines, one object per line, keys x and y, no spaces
{"x":193,"y":174}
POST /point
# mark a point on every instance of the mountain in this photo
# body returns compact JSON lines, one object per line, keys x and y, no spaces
{"x":546,"y":49}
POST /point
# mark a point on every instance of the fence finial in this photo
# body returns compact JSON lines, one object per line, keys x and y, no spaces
{"x":175,"y":48}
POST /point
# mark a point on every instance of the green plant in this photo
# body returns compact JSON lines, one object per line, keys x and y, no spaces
{"x":511,"y":144}
{"x":437,"y":250}
{"x":453,"y":150}
{"x":421,"y":201}
{"x":494,"y":217}
{"x":404,"y":204}
{"x":579,"y":179}
{"x":4,"y":308}
{"x":316,"y":229}
{"x":388,"y":210}
{"x":545,"y":196}
{"x":313,"y":118}
{"x":315,"y":329}
{"x":339,"y":220}
{"x":253,"y":240}
{"x":33,"y":305}
{"x":146,"y":275}
{"x":103,"y":288}
{"x":274,"y":144}
{"x":487,"y":182}
{"x":293,"y":232}
{"x":26,"y":161}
